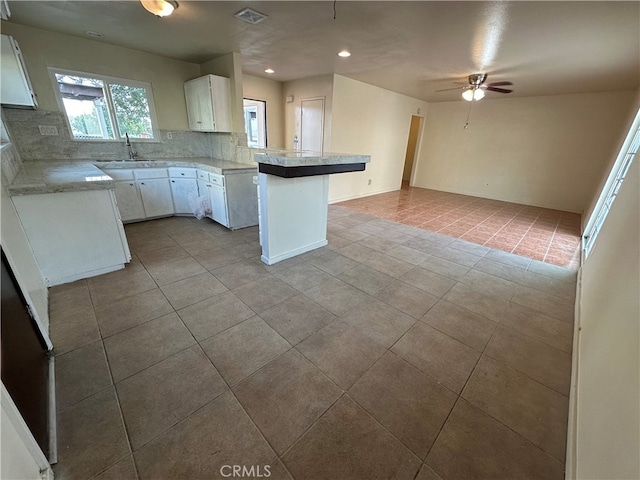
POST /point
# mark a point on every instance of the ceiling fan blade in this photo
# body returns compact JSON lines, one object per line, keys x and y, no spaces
{"x":454,"y":88}
{"x":500,"y":90}
{"x":498,"y":84}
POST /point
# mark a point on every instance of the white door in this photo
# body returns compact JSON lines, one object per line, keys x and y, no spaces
{"x":181,"y":188}
{"x":129,"y":201}
{"x":156,"y":197}
{"x":312,"y":125}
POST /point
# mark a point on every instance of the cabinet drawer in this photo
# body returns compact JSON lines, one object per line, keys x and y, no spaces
{"x":216,"y":179}
{"x":176,"y":172}
{"x":142,"y":173}
{"x":119,"y":173}
{"x":203,"y":175}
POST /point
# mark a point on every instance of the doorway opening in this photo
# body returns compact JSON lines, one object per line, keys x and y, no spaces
{"x":312,"y":124}
{"x":412,"y":149}
{"x":255,"y":122}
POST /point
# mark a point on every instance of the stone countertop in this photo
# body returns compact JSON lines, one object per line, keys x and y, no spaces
{"x":79,"y":175}
{"x":299,"y":159}
{"x":213,"y":165}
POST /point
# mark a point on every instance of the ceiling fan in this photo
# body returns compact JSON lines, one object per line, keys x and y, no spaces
{"x":475,"y":89}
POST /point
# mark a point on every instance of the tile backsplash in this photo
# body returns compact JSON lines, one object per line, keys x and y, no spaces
{"x":24,"y":129}
{"x":11,"y":163}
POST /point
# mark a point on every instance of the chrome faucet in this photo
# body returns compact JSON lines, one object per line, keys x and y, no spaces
{"x":132,"y":154}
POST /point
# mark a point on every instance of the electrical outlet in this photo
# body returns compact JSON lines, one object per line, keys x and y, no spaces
{"x":169,"y":135}
{"x":48,"y":130}
{"x":369,"y":183}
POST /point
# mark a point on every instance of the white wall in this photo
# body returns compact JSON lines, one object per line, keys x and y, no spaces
{"x":373,"y":121}
{"x":312,"y":87}
{"x":270,"y":91}
{"x":546,"y":151}
{"x":633,"y":107}
{"x":607,"y":423}
{"x":21,"y":457}
{"x":16,"y":247}
{"x":42,"y":48}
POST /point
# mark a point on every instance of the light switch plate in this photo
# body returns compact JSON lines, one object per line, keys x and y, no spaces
{"x":48,"y":130}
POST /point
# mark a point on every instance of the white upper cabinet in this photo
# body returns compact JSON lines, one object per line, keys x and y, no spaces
{"x":16,"y":88}
{"x":209,"y":104}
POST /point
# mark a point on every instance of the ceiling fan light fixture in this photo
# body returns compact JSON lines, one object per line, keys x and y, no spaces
{"x":473,"y":94}
{"x":160,"y":8}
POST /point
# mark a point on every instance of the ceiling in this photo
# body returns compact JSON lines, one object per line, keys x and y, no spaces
{"x":415,"y":48}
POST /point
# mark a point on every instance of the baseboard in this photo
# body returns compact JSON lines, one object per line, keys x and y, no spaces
{"x":367,"y":194}
{"x":572,"y":423}
{"x":292,"y":253}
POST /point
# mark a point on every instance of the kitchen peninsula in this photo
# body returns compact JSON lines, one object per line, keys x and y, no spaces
{"x":293,"y":198}
{"x":72,"y":215}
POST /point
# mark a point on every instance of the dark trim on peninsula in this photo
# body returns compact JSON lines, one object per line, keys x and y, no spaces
{"x":309,"y":170}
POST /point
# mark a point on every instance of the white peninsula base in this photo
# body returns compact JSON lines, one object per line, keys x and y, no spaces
{"x":292,"y":215}
{"x":293,"y":199}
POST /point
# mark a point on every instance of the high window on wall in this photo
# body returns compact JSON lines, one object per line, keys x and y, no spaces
{"x":105,"y":108}
{"x":255,"y":122}
{"x":612,"y":186}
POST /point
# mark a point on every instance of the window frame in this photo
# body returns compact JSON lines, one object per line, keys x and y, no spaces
{"x":625,"y":158}
{"x":107,"y":80}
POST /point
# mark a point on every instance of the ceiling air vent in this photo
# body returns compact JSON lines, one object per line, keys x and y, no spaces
{"x":250,"y":16}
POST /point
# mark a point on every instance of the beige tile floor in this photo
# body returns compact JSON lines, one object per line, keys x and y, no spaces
{"x":392,"y":353}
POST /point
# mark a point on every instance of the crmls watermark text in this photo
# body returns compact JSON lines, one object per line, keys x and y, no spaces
{"x":242,"y":471}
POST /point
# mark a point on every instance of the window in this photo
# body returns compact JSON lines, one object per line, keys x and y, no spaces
{"x":612,"y":187}
{"x":255,"y":122}
{"x":105,"y":108}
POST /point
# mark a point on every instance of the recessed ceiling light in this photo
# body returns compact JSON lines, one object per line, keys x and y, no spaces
{"x":269,"y":70}
{"x":93,"y":34}
{"x":344,"y":53}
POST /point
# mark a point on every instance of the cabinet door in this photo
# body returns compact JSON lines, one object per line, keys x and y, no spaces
{"x":129,"y":201}
{"x":181,"y":188}
{"x":219,"y":205}
{"x":199,"y":104}
{"x":204,"y":190}
{"x":156,"y":197}
{"x":221,"y":99}
{"x":14,"y":83}
{"x":193,"y":106}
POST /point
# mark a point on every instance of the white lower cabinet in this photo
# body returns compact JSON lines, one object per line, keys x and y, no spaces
{"x":129,"y":201}
{"x":218,"y":198}
{"x":184,"y":185}
{"x":143,"y":193}
{"x":156,"y":197}
{"x":73,"y":235}
{"x":181,"y":190}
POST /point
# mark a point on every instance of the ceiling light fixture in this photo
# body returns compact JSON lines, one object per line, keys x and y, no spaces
{"x":160,"y":8}
{"x":473,"y":94}
{"x":344,"y":53}
{"x":269,"y":70}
